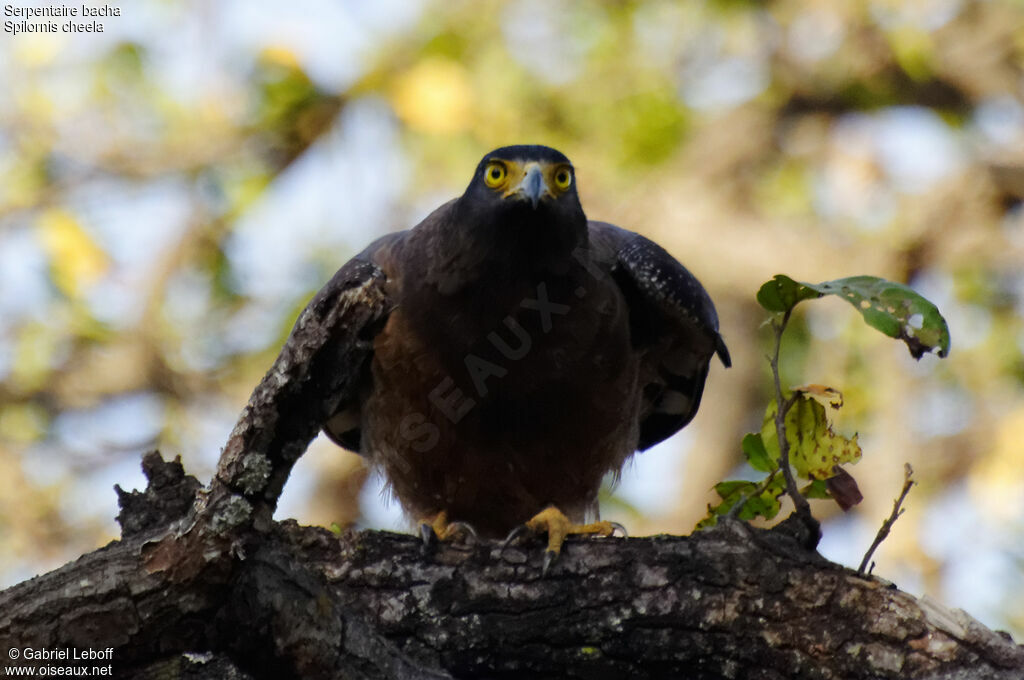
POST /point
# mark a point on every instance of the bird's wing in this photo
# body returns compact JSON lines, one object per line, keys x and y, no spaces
{"x":360,"y":283}
{"x":672,"y":321}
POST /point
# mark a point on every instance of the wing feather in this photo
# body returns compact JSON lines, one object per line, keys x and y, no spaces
{"x":673,"y":323}
{"x":360,"y":283}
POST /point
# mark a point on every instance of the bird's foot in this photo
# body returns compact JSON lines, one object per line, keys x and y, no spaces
{"x":438,"y":528}
{"x":557,"y":526}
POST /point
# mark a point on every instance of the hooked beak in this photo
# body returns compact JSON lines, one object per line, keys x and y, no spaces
{"x":533,"y":186}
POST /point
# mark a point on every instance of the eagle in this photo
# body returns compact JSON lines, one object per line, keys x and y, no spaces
{"x":522,"y":353}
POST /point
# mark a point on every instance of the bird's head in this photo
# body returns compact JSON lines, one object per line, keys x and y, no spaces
{"x":525,"y":175}
{"x":526,"y":186}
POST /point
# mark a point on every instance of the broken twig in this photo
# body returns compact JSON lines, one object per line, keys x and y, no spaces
{"x":897,"y":510}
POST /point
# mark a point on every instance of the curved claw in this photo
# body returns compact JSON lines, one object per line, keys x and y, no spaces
{"x":471,"y":537}
{"x":549,"y":558}
{"x":512,"y":535}
{"x":428,"y":536}
{"x":621,"y":529}
{"x":438,"y":529}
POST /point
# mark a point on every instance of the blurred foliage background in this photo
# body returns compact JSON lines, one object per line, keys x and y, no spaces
{"x":174,"y":189}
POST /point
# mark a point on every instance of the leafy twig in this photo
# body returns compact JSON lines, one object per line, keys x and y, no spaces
{"x":803,"y":508}
{"x":897,"y":511}
{"x":737,"y":507}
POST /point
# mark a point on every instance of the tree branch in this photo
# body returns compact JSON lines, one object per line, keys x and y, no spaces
{"x":206,"y":585}
{"x":302,"y":602}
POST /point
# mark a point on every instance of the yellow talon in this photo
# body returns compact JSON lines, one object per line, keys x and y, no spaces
{"x":443,"y":529}
{"x":439,"y":525}
{"x":558,"y":527}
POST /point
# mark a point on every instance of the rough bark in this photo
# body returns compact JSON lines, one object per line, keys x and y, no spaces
{"x":734,"y":602}
{"x":204,"y":584}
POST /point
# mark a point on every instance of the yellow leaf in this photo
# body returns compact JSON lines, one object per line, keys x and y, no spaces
{"x":814,"y":448}
{"x":75,"y":260}
{"x":827,"y":396}
{"x":434,"y":96}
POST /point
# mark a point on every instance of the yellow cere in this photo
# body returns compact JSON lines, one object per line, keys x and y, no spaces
{"x":506,"y":176}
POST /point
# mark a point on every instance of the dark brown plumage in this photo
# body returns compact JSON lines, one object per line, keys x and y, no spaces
{"x":529,"y":352}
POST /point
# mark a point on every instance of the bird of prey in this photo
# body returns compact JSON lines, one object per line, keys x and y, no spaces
{"x":525,"y":352}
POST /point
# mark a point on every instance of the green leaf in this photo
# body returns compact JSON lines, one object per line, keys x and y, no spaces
{"x":732,"y":491}
{"x":764,"y":504}
{"x":782,"y":293}
{"x":709,"y":521}
{"x":814,"y":448}
{"x":816,"y":489}
{"x":757,"y":455}
{"x":896,"y":310}
{"x":893,"y":308}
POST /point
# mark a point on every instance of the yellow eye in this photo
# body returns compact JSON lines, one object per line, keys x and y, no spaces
{"x":563,"y":178}
{"x":494,"y":175}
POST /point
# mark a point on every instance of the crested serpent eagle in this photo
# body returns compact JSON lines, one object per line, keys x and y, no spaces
{"x":525,"y":352}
